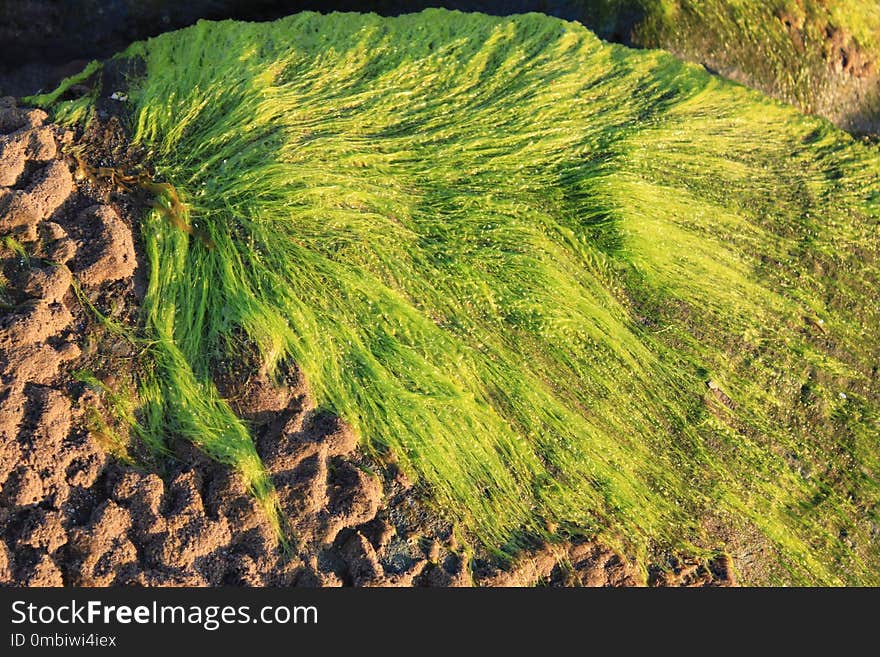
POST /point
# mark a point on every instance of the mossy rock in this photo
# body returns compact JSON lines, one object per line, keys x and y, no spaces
{"x":567,"y":283}
{"x":821,"y":55}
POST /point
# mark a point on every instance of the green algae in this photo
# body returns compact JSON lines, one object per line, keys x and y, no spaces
{"x":566,"y":283}
{"x":820,"y":55}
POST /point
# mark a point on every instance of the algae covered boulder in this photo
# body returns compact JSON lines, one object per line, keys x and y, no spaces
{"x":576,"y":289}
{"x":820,"y":55}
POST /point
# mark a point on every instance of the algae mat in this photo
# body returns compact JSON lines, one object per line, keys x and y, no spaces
{"x":575,"y":289}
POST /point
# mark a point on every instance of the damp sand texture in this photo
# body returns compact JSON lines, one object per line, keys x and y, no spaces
{"x":575,"y":289}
